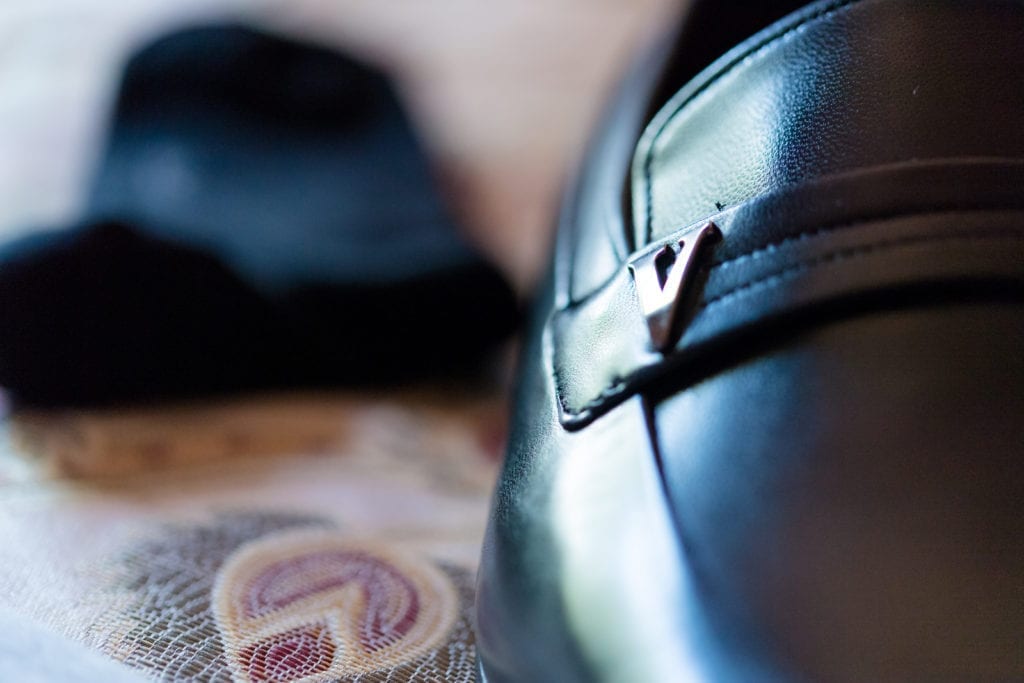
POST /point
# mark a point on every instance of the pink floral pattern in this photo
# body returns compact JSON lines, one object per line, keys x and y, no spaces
{"x":310,"y":606}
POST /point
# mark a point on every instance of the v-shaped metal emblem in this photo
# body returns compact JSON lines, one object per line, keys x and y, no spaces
{"x":661,"y":273}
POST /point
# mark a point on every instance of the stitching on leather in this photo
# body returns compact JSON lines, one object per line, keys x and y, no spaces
{"x":771,"y":247}
{"x":854,"y":252}
{"x":618,"y":385}
{"x":726,"y":69}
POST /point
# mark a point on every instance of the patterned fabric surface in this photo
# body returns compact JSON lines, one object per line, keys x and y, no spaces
{"x":319,"y":539}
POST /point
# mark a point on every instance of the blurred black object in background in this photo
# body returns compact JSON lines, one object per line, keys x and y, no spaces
{"x":263,"y":217}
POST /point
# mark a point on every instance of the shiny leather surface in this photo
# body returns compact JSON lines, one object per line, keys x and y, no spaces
{"x":821,"y":480}
{"x":924,"y":230}
{"x":851,"y":501}
{"x":840,"y":86}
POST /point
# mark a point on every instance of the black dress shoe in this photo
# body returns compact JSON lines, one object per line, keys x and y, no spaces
{"x":770,"y":420}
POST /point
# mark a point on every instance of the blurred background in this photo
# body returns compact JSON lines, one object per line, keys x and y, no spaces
{"x":120,"y":526}
{"x":504,"y":92}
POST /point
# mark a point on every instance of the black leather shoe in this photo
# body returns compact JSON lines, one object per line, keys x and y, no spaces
{"x":770,"y":421}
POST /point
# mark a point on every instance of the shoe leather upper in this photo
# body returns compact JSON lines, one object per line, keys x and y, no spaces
{"x":841,"y":86}
{"x":843,"y":114}
{"x":830,"y":450}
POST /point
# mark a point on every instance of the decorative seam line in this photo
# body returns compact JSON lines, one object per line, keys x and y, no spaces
{"x":725,"y":70}
{"x":618,"y":385}
{"x":852,"y":252}
{"x":771,"y":247}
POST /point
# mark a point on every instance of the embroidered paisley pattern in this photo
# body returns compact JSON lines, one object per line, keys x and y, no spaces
{"x":304,"y":606}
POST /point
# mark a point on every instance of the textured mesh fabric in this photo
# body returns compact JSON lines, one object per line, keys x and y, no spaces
{"x":344,"y":551}
{"x":171,"y":626}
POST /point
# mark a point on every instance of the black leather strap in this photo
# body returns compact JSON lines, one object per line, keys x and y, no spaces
{"x":934,"y":229}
